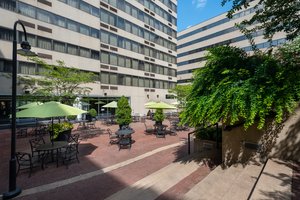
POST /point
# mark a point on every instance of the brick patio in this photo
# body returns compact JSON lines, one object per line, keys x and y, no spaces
{"x":103,"y":169}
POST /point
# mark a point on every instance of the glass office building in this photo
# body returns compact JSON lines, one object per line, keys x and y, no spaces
{"x":194,"y":41}
{"x":129,"y":45}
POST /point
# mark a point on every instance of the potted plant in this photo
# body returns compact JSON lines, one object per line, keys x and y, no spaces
{"x":159,"y":116}
{"x":123,"y":112}
{"x":61,"y":131}
{"x":92,"y":113}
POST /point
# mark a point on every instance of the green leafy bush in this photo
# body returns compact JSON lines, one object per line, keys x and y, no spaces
{"x":59,"y":128}
{"x":159,"y":115}
{"x":210,"y":133}
{"x":234,"y":87}
{"x":92,"y":112}
{"x":123,"y":112}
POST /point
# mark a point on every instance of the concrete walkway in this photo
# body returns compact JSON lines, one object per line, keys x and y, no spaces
{"x":275,"y":181}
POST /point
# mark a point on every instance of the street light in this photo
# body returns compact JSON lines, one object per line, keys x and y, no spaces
{"x":25,"y":51}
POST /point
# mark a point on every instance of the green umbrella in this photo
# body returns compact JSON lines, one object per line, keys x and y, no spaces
{"x":161,"y":105}
{"x":150,"y":103}
{"x":100,"y":102}
{"x":29,"y":105}
{"x":50,"y":109}
{"x":112,"y":104}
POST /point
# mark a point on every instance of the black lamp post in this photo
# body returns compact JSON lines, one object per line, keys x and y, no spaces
{"x":13,"y":189}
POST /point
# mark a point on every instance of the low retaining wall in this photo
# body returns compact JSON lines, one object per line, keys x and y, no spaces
{"x":276,"y":141}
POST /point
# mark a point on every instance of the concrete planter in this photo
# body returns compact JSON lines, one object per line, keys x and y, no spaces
{"x":204,"y":145}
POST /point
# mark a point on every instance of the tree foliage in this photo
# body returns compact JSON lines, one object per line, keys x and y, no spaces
{"x":58,"y":82}
{"x":123,"y":112}
{"x":181,"y":92}
{"x":234,"y":87}
{"x":271,"y":15}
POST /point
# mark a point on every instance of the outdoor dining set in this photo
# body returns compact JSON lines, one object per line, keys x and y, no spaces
{"x":122,"y":137}
{"x":43,"y":153}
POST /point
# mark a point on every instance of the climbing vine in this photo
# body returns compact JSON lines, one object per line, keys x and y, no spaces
{"x":234,"y":87}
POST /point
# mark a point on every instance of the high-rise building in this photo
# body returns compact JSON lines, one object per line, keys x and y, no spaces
{"x":220,"y":30}
{"x":129,"y":45}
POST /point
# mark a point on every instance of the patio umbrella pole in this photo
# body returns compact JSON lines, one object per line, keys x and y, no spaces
{"x":51,"y":135}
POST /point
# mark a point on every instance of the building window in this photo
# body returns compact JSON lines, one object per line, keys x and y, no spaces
{"x":135,"y":64}
{"x":84,"y":29}
{"x":84,"y":52}
{"x":128,"y":80}
{"x":72,"y":49}
{"x":113,"y":59}
{"x":128,"y":62}
{"x":27,"y":68}
{"x":113,"y":40}
{"x":26,"y":10}
{"x":104,"y":77}
{"x":121,"y":61}
{"x":59,"y":46}
{"x":72,"y":25}
{"x":113,"y":79}
{"x":135,"y":81}
{"x":44,"y":16}
{"x":104,"y":57}
{"x":141,"y":82}
{"x":104,"y":16}
{"x":44,"y":43}
{"x":105,"y":37}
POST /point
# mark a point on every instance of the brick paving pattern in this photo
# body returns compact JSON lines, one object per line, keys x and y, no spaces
{"x":96,"y":154}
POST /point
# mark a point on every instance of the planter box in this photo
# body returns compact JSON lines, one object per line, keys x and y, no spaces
{"x":64,"y":136}
{"x":204,"y":145}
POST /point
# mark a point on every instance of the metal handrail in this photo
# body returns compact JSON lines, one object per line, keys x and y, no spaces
{"x":254,"y":186}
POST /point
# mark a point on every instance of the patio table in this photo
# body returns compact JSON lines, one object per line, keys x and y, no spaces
{"x":124,"y":132}
{"x":55,"y":146}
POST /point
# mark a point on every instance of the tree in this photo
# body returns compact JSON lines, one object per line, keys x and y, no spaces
{"x":123,"y":112}
{"x":271,"y":15}
{"x":181,"y":92}
{"x":236,"y":88}
{"x":58,"y":82}
{"x":159,"y":116}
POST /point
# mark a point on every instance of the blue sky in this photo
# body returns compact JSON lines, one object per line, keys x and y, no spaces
{"x":192,"y":12}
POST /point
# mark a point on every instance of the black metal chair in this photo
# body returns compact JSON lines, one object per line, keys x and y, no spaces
{"x":125,"y":142}
{"x":22,"y":132}
{"x":161,"y":131}
{"x":26,"y":161}
{"x":148,"y":130}
{"x":34,"y":143}
{"x":70,"y":153}
{"x":113,"y":138}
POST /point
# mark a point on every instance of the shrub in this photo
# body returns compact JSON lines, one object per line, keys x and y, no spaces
{"x":123,"y":112}
{"x":59,"y":128}
{"x":159,"y":115}
{"x":92,"y":112}
{"x":209,"y":134}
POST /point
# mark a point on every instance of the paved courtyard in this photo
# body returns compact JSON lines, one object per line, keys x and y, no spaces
{"x":104,"y":170}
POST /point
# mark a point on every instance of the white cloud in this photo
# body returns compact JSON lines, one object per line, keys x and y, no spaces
{"x":199,"y":3}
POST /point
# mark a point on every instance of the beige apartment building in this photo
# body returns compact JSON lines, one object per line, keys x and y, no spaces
{"x":194,"y":41}
{"x":129,"y":45}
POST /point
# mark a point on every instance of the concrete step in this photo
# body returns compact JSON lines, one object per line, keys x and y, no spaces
{"x":233,"y":183}
{"x":155,"y":184}
{"x":275,"y":182}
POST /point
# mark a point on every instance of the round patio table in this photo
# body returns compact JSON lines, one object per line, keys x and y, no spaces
{"x":124,"y":132}
{"x":51,"y":147}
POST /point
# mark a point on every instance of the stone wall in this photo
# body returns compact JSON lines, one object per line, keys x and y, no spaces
{"x":279,"y":141}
